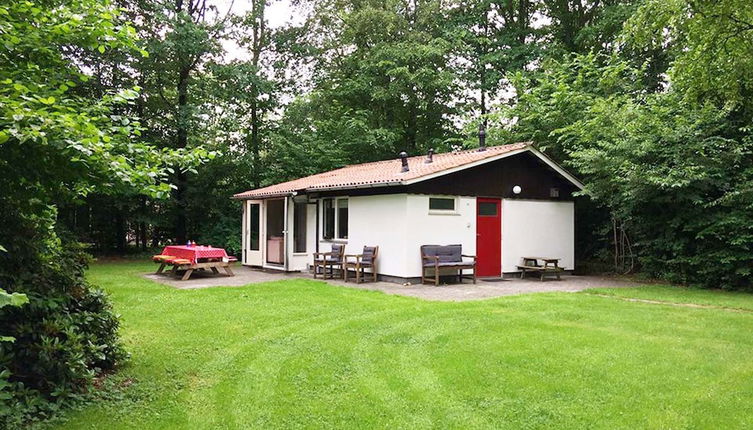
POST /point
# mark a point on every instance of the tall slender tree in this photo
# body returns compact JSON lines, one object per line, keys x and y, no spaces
{"x":493,"y":38}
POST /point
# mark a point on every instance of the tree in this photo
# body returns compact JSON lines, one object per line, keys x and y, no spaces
{"x":182,"y":36}
{"x":676,"y":176}
{"x":581,"y":26}
{"x":58,"y":142}
{"x":382,"y":68}
{"x":493,"y":38}
{"x":711,"y":45}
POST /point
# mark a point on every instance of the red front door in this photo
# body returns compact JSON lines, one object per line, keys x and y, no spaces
{"x":489,"y":237}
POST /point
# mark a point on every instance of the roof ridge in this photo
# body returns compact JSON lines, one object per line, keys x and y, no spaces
{"x":436,"y":154}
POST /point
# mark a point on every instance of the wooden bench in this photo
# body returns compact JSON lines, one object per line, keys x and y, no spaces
{"x":450,"y":257}
{"x":531,"y":264}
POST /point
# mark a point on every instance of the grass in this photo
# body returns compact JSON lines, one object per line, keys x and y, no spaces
{"x":672,"y":294}
{"x":305,"y":354}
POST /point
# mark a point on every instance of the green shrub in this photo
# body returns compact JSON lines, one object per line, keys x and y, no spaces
{"x":224,"y":234}
{"x":64,"y":337}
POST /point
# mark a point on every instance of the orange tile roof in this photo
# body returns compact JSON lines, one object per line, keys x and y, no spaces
{"x":387,"y":172}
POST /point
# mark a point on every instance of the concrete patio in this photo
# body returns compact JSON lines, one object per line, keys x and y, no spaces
{"x":245,"y":276}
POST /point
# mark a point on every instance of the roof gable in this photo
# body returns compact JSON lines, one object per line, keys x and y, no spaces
{"x":389,"y":172}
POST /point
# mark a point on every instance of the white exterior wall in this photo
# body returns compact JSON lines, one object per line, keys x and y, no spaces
{"x":537,"y":229}
{"x":376,"y":221}
{"x":399,"y":224}
{"x":437,"y":228}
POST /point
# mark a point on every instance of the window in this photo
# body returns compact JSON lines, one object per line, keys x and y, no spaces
{"x":253,"y":226}
{"x":487,"y":209}
{"x":441,"y":204}
{"x":342,"y":218}
{"x":299,"y":227}
{"x":335,"y":218}
{"x":328,"y":214}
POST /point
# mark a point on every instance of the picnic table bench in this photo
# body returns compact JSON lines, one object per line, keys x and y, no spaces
{"x":531,"y":264}
{"x":196,"y":257}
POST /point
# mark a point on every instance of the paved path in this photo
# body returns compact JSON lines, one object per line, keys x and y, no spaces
{"x":452,"y":292}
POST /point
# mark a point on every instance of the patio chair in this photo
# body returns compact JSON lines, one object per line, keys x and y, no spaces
{"x":331,"y":260}
{"x":360,"y":262}
{"x":448,"y":257}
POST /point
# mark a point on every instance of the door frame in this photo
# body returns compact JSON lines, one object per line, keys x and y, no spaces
{"x":266,"y":264}
{"x":253,"y":257}
{"x":498,"y":202}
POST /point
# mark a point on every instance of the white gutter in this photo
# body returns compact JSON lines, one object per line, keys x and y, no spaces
{"x":285,"y":234}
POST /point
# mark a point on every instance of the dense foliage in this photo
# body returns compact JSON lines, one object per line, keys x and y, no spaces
{"x":61,"y":138}
{"x":674,"y":167}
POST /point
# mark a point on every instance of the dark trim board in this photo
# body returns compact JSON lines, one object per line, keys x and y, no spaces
{"x":494,"y":179}
{"x":497,"y":179}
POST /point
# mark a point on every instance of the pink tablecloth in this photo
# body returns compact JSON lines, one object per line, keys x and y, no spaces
{"x":194,"y":253}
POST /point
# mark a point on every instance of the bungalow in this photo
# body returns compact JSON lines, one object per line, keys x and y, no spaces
{"x":501,"y":203}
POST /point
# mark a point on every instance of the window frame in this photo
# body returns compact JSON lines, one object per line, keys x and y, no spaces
{"x":338,"y":233}
{"x":254,"y":227}
{"x":482,"y":204}
{"x":453,"y":211}
{"x":333,"y":203}
{"x":327,"y":205}
{"x":300,"y":209}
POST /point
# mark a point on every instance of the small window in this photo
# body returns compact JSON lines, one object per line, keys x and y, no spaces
{"x":328,"y":213}
{"x":253,"y":226}
{"x":335,"y":218}
{"x":487,"y":209}
{"x":342,"y":218}
{"x":299,"y":227}
{"x":441,"y":204}
{"x":554,"y":192}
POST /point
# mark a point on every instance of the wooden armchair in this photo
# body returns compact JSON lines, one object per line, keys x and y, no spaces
{"x":450,"y":257}
{"x":360,"y":262}
{"x":332,"y":259}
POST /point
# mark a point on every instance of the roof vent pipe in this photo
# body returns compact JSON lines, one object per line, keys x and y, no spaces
{"x":404,"y":160}
{"x":482,"y":137}
{"x":429,"y":156}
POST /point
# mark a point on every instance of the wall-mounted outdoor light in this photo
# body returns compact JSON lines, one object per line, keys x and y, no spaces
{"x":516,"y":189}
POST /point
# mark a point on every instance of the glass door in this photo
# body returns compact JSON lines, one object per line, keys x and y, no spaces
{"x":253,"y":234}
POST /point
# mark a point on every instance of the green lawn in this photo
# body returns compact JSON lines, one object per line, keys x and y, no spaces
{"x":307,"y":354}
{"x":693,"y":296}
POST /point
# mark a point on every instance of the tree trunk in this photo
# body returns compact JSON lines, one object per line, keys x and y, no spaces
{"x":483,"y":102}
{"x":181,"y":233}
{"x":120,"y":230}
{"x":482,"y":70}
{"x":143,"y":226}
{"x":255,"y":141}
{"x":522,"y":21}
{"x":259,"y":40}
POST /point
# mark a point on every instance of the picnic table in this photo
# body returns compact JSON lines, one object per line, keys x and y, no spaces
{"x":550,"y":266}
{"x":196,"y":257}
